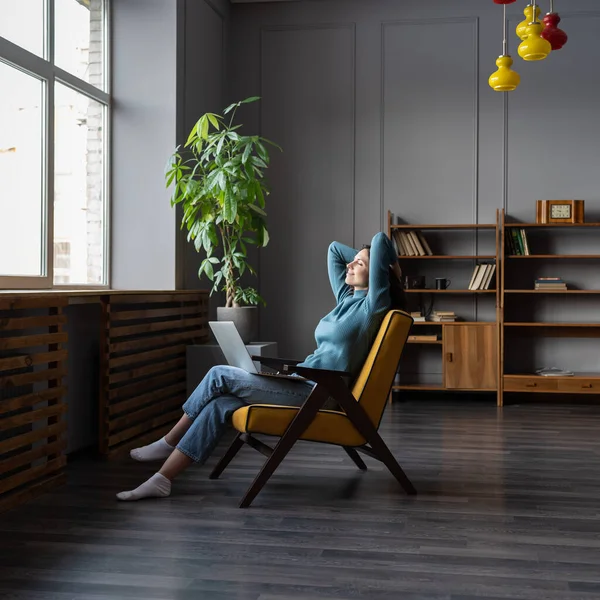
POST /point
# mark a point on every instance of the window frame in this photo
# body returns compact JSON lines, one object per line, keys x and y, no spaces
{"x":44,"y":69}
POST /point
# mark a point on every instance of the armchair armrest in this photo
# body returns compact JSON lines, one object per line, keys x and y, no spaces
{"x":314,"y":374}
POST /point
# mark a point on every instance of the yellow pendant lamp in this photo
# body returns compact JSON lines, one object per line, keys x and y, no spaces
{"x":529,"y":11}
{"x":534,"y":46}
{"x":504,"y":79}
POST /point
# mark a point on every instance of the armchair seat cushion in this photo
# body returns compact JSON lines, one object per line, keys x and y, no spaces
{"x":329,"y":426}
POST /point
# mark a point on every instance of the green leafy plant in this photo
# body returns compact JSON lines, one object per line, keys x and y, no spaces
{"x":218,"y":178}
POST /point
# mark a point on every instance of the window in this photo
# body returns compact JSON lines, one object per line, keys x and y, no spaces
{"x":54,"y":112}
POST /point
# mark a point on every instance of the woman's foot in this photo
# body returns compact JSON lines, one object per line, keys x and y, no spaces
{"x":158,"y":486}
{"x":158,"y":450}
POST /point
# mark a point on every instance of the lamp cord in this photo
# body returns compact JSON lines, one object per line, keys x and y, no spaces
{"x":551,"y":6}
{"x":504,"y":44}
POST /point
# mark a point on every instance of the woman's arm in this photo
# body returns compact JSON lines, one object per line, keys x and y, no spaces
{"x":382,"y":255}
{"x":338,"y":256}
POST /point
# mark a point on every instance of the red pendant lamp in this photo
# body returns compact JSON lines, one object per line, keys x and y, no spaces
{"x":504,"y":1}
{"x":557,"y":37}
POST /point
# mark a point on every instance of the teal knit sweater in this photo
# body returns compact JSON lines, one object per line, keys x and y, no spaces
{"x":344,"y":337}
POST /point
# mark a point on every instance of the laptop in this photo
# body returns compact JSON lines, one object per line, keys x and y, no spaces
{"x":235,"y":351}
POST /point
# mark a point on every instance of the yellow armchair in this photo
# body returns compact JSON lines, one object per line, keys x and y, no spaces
{"x":354,"y":427}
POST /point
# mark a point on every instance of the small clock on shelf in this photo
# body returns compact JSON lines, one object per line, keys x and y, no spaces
{"x":559,"y":211}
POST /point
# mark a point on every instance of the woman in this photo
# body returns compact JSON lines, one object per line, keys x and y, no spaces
{"x":366,"y":285}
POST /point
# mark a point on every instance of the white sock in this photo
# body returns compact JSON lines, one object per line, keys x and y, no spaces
{"x":158,"y":486}
{"x":158,"y":450}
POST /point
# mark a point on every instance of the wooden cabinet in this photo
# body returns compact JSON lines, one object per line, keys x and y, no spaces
{"x":470,"y":357}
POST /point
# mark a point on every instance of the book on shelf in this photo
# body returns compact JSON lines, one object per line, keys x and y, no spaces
{"x":411,"y":243}
{"x":424,"y":338}
{"x":417,"y":317}
{"x":482,"y":276}
{"x":516,"y":240}
{"x":443,"y":316}
{"x":549,"y":283}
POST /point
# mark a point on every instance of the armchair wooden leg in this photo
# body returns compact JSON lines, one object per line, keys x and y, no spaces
{"x":361,"y":421}
{"x":237,"y":443}
{"x":358,"y":461}
{"x":301,"y":421}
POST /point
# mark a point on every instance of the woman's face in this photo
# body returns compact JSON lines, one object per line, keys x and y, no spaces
{"x":357,"y":272}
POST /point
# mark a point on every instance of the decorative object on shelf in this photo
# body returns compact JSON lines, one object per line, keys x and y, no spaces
{"x":554,"y":372}
{"x":441,"y":283}
{"x":529,"y":18}
{"x":557,"y":37}
{"x":559,"y":211}
{"x":534,"y":46}
{"x":414,"y":282}
{"x":504,"y":79}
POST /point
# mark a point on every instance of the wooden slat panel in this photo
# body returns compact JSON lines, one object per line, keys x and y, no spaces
{"x":175,"y":363}
{"x":144,"y":339}
{"x":117,"y":332}
{"x":27,"y":341}
{"x":157,"y":341}
{"x":32,"y":474}
{"x":27,"y":360}
{"x":34,"y":436}
{"x":131,"y":432}
{"x":25,"y":458}
{"x":35,"y":489}
{"x":156,"y":298}
{"x":141,"y":357}
{"x":143,"y":386}
{"x":150,"y":435}
{"x":30,"y":322}
{"x":33,"y":416}
{"x":152,"y":313}
{"x":127,"y":405}
{"x":25,"y":378}
{"x":21,"y":302}
{"x":32,"y":399}
{"x":164,"y":406}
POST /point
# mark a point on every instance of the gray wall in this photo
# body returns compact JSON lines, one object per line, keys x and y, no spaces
{"x":203,"y":41}
{"x":144,"y":72}
{"x":385,"y":105}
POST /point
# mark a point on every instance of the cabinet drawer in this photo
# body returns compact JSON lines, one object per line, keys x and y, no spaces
{"x":581,"y":386}
{"x":529,"y":384}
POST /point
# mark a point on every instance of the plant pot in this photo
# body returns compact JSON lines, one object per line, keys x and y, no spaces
{"x":245,"y":319}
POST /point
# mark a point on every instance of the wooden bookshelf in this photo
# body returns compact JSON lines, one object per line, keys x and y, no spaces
{"x":579,"y":383}
{"x":464,"y":342}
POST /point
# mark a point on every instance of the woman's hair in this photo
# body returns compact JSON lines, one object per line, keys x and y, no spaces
{"x":397,"y":293}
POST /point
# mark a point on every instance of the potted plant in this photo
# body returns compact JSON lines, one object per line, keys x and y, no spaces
{"x":218,"y":178}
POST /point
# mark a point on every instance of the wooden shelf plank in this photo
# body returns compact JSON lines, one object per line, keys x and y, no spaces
{"x":452,"y":226}
{"x":419,"y":386}
{"x":550,"y":291}
{"x":436,"y":342}
{"x":552,"y":324}
{"x":576,"y":375}
{"x":433,"y":291}
{"x":552,"y":256}
{"x":551,"y":225}
{"x":456,"y":323}
{"x":451,"y":256}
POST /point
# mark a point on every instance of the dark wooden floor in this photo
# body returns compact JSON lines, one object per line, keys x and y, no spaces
{"x":509,"y":507}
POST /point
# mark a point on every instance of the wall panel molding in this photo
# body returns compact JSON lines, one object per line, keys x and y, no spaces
{"x":385,"y":27}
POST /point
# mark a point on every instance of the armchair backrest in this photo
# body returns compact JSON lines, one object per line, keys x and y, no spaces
{"x":373,"y":384}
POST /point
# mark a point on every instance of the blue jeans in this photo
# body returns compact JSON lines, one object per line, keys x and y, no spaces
{"x":221,"y":393}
